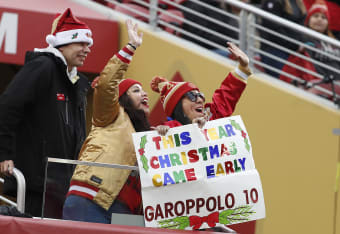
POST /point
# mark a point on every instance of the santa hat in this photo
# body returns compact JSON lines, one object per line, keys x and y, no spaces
{"x":68,"y":29}
{"x":125,"y":84}
{"x":171,"y":92}
{"x":319,"y":6}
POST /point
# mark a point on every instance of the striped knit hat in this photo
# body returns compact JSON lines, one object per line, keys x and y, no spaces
{"x":171,"y":92}
{"x":68,"y":29}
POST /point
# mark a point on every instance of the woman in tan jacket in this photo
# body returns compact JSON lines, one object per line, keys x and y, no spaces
{"x":120,"y":108}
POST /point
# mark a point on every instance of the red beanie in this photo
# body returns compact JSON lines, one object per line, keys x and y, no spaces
{"x":68,"y":29}
{"x":125,"y":84}
{"x":319,"y":6}
{"x":171,"y":92}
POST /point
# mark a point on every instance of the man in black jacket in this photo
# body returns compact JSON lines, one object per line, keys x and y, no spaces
{"x":42,"y":112}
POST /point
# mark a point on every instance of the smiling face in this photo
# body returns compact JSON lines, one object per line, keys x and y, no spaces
{"x":75,"y":53}
{"x":318,"y":22}
{"x":193,"y":108}
{"x":139,"y":98}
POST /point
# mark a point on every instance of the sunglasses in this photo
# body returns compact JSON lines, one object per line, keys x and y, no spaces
{"x":193,"y":96}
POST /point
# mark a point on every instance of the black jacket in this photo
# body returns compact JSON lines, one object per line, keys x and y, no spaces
{"x":42,"y":114}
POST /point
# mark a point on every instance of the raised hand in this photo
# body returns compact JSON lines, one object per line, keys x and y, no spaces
{"x":135,"y":37}
{"x":238,"y":54}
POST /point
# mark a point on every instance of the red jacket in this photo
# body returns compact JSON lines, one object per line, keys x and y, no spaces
{"x":304,"y":76}
{"x":297,"y":72}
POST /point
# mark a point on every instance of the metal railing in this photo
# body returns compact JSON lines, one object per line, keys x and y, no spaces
{"x":107,"y":165}
{"x":86,"y":163}
{"x":21,"y":190}
{"x":247,"y":25}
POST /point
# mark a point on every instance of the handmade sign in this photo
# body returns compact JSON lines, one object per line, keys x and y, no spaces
{"x":196,"y":178}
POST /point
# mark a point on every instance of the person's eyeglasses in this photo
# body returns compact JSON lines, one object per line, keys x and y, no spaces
{"x":193,"y":96}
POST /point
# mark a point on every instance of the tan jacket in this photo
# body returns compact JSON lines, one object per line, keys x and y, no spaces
{"x":110,"y":139}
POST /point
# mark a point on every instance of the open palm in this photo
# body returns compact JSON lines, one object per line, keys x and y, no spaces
{"x":135,"y":37}
{"x":238,"y":54}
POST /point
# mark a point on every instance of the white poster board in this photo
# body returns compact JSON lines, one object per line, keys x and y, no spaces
{"x":196,"y":178}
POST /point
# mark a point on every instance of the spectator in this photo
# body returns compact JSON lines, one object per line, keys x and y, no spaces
{"x":333,"y":9}
{"x":222,"y":18}
{"x":318,"y":20}
{"x":186,"y":104}
{"x":43,"y":110}
{"x":293,"y":10}
{"x":120,"y":107}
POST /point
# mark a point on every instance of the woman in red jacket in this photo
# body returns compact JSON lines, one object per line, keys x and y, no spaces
{"x":185,"y":104}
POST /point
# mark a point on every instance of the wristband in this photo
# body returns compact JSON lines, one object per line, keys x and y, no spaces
{"x":134,"y":47}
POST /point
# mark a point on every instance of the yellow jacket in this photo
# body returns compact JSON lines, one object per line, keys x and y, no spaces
{"x":109,"y":141}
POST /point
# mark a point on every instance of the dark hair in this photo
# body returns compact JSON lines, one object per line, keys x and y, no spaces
{"x":179,"y":115}
{"x":138,"y":118}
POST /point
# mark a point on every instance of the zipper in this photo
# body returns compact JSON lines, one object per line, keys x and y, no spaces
{"x":66,"y":109}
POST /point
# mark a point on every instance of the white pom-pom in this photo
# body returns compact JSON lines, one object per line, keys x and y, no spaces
{"x":50,"y":39}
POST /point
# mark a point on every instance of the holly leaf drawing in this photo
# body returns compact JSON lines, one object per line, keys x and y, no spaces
{"x":181,"y":223}
{"x":143,"y":142}
{"x":247,"y":144}
{"x":144,"y":163}
{"x":223,"y":217}
{"x":237,"y":215}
